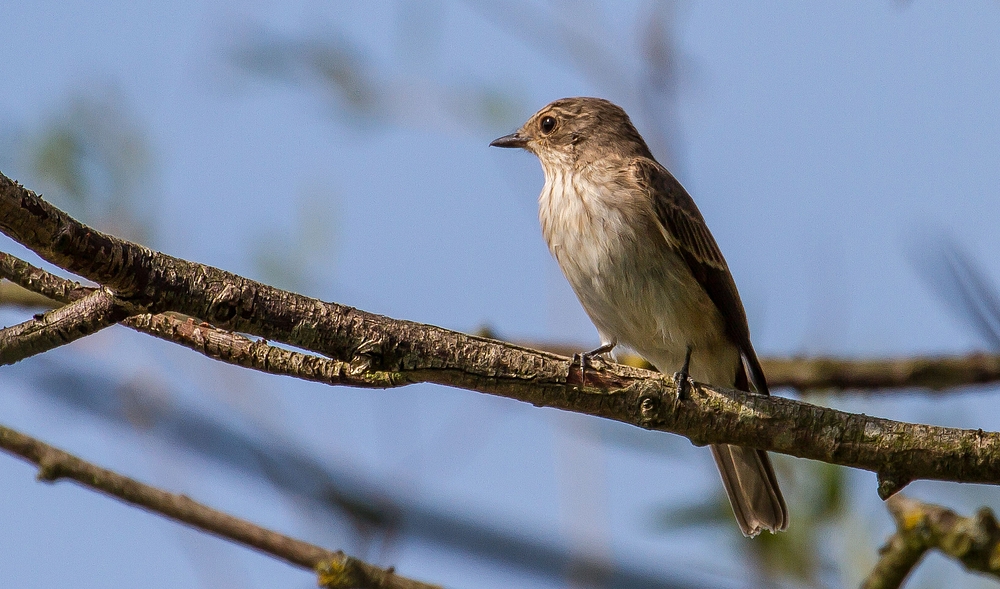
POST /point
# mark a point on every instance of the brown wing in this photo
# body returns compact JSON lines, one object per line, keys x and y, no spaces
{"x":685,"y":230}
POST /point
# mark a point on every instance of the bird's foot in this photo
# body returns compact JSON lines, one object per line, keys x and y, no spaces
{"x":682,"y":378}
{"x":586,"y":359}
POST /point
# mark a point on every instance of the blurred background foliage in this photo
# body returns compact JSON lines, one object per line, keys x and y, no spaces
{"x":92,"y":158}
{"x":91,"y":154}
{"x":343,"y":75}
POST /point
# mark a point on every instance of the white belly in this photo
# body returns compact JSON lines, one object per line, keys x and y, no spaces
{"x":638,"y":291}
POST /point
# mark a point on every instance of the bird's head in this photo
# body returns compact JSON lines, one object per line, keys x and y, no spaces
{"x":573,"y":129}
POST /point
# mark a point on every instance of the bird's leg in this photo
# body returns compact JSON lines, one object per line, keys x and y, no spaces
{"x":586,"y":357}
{"x":682,"y":377}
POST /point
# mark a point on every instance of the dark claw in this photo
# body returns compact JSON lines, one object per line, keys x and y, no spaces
{"x":585,"y":359}
{"x":682,"y":377}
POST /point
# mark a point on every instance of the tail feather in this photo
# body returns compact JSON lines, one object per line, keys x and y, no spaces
{"x":752,"y":488}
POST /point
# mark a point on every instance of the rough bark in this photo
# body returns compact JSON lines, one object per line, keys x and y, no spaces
{"x":33,"y":287}
{"x":97,"y":310}
{"x":399,"y":352}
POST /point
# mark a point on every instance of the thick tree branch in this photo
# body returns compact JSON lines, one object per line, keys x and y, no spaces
{"x":805,"y":374}
{"x":82,"y":317}
{"x":407,"y":352}
{"x":973,"y":541}
{"x":336,"y":570}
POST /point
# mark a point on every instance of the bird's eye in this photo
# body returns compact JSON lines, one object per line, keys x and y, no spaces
{"x":548,"y":123}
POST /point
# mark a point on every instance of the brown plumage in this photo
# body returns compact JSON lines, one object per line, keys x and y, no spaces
{"x":647,"y":270}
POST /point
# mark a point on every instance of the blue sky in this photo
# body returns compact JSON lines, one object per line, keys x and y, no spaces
{"x":826,"y":146}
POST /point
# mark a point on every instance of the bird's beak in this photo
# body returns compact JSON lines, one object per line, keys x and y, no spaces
{"x":512,"y":140}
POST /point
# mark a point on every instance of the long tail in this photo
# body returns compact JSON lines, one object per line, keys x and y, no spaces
{"x":752,"y":488}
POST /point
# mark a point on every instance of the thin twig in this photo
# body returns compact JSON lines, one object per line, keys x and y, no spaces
{"x":826,"y":373}
{"x":973,"y":541}
{"x":240,"y":350}
{"x":932,"y":372}
{"x":60,"y":326}
{"x":336,"y":570}
{"x":211,"y":341}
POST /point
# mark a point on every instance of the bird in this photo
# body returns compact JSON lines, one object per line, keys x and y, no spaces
{"x":644,"y":265}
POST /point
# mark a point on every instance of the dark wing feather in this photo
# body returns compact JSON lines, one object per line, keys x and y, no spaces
{"x":685,"y":230}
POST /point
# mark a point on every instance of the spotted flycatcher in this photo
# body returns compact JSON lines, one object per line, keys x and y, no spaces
{"x":643,"y":263}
